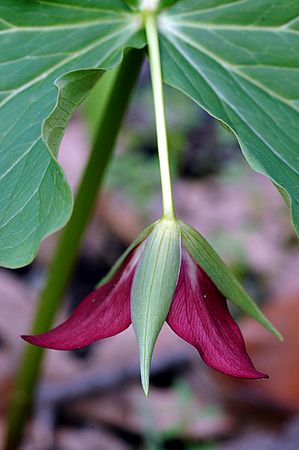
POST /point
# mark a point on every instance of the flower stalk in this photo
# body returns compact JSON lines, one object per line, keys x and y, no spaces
{"x":150,"y":21}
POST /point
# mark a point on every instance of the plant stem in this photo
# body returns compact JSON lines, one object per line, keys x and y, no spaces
{"x":68,"y":246}
{"x":150,"y":20}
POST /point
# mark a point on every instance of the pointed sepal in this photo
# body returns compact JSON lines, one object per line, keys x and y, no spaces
{"x":215,"y":268}
{"x":153,"y":288}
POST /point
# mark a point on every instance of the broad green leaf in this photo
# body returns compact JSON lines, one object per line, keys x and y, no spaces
{"x":40,"y":41}
{"x":167,"y":3}
{"x":153,"y":288}
{"x":239,"y":60}
{"x":215,"y":268}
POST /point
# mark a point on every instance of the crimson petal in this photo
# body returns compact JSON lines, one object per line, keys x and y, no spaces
{"x":103,"y":313}
{"x":200,"y":316}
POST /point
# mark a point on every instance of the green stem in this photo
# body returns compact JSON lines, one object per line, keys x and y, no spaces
{"x":150,"y":20}
{"x":68,"y":246}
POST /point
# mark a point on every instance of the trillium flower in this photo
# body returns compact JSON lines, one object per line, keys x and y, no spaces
{"x":170,"y":273}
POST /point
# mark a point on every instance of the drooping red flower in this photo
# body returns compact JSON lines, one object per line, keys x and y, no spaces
{"x":198,"y":313}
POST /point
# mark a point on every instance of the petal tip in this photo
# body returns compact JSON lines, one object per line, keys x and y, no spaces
{"x":249,"y":373}
{"x":34,"y":340}
{"x":27,"y":338}
{"x":263,"y":375}
{"x":253,"y":375}
{"x":44,"y":341}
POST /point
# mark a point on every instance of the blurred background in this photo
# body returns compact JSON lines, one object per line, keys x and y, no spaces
{"x":91,"y":399}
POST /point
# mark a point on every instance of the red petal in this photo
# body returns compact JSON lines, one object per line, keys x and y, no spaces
{"x":200,"y":316}
{"x":103,"y":313}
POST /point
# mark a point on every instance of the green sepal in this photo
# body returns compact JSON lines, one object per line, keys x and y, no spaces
{"x":116,"y":266}
{"x":166,"y":3}
{"x":153,"y":288}
{"x":215,"y":268}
